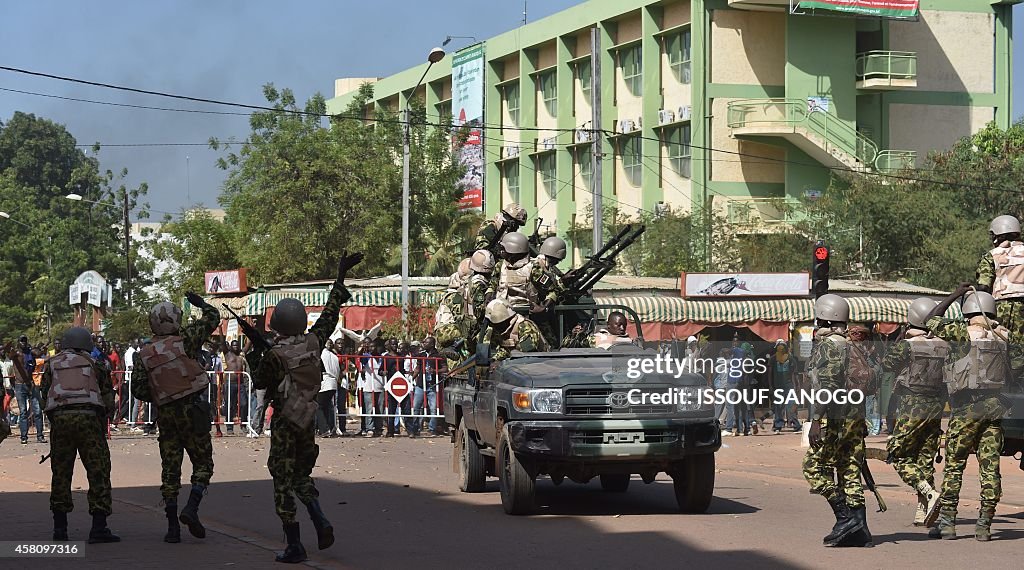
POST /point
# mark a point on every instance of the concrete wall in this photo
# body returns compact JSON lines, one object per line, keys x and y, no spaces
{"x":675,"y":14}
{"x":954,"y":50}
{"x":726,"y":167}
{"x":350,"y":84}
{"x":926,"y":128}
{"x":628,"y":29}
{"x":748,"y":48}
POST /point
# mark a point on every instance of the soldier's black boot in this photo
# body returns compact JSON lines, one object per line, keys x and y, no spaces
{"x":324,"y":530}
{"x":294,"y":552}
{"x":99,"y":533}
{"x":190,"y":514}
{"x":862,"y":538}
{"x":173,"y":535}
{"x":846,"y":523}
{"x":60,"y":526}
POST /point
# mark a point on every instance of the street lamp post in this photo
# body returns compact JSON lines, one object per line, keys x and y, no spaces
{"x":127,"y":237}
{"x":436,"y":55}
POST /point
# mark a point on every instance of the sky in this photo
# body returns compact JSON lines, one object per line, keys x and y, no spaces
{"x":227,"y":50}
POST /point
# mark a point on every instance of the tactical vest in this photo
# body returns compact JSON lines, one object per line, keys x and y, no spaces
{"x":511,"y":342}
{"x":449,"y":309}
{"x":300,"y":355}
{"x":822,"y":336}
{"x":604,"y":339}
{"x":514,"y":282}
{"x":173,"y":374}
{"x":1009,"y":268}
{"x":986,"y":365}
{"x":74,"y":381}
{"x":471,"y":286}
{"x":927,"y":356}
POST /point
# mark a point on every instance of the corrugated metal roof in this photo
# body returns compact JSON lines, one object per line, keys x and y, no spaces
{"x":870,"y":286}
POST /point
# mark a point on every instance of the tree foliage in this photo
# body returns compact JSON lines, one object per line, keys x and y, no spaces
{"x":195,"y":243}
{"x":40,"y":163}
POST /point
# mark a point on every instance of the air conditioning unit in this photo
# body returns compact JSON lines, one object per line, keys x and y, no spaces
{"x":626,"y":126}
{"x":665,"y":116}
{"x":511,"y":151}
{"x":548,"y":143}
{"x":584,"y":135}
{"x":685,"y":112}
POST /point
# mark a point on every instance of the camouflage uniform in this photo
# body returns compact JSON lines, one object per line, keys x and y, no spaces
{"x":546,"y":287}
{"x":486,"y":237}
{"x":447,"y":333}
{"x":293,"y":450}
{"x":184,"y":423}
{"x":1009,"y":312}
{"x":80,"y":429}
{"x":521,"y":334}
{"x":474,"y":295}
{"x":975,"y":424}
{"x":842,"y":432}
{"x":915,"y":438}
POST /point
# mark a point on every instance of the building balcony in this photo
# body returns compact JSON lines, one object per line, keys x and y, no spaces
{"x":890,"y":161}
{"x":763,"y":212}
{"x":886,"y":70}
{"x":761,"y":5}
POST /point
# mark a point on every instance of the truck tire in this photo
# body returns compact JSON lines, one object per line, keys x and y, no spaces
{"x":472,"y":477}
{"x":615,"y":483}
{"x":515,"y":482}
{"x":694,"y":483}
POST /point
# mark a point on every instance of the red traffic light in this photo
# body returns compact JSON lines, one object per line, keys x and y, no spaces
{"x":821,"y":253}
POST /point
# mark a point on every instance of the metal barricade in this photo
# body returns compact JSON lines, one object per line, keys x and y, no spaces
{"x":368,"y":378}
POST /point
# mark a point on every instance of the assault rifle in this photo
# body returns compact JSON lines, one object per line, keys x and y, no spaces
{"x":259,"y":342}
{"x":534,"y":238}
{"x":579,"y":282}
{"x":869,"y":482}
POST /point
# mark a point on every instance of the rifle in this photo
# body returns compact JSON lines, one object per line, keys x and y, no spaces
{"x":869,"y":482}
{"x":534,"y":239}
{"x":258,"y":341}
{"x":581,"y":280}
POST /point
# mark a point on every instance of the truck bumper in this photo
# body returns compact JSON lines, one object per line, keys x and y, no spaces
{"x":615,"y":439}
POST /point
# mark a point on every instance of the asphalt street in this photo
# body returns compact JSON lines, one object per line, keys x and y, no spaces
{"x":395,"y":503}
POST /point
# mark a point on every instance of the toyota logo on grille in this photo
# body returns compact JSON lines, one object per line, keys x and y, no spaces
{"x":618,"y":400}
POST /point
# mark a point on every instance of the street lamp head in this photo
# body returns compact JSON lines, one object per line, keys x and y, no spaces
{"x":436,"y":55}
{"x":75,"y":197}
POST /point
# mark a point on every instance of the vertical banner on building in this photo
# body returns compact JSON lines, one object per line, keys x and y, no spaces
{"x":468,"y":110}
{"x":880,"y":8}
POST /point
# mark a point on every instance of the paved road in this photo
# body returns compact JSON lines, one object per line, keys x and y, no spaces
{"x":396,"y":504}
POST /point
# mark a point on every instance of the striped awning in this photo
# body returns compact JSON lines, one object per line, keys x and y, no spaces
{"x":257,"y":303}
{"x":678,"y":310}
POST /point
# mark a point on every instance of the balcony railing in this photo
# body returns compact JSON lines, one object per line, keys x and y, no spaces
{"x":886,"y":69}
{"x":889,"y":161}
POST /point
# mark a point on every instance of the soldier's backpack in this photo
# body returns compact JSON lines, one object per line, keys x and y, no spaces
{"x":860,"y":374}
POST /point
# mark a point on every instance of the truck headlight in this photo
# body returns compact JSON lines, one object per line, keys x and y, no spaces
{"x":539,"y":401}
{"x":688,"y":399}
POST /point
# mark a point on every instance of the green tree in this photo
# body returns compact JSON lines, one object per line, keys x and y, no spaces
{"x":40,"y":163}
{"x":194,"y":244}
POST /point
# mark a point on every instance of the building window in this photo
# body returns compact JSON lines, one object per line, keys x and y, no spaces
{"x":583,"y":75}
{"x":546,"y":168}
{"x":444,"y":111}
{"x":677,"y":142}
{"x":512,"y":103}
{"x":510,"y":172}
{"x":548,"y":86}
{"x":632,"y":69}
{"x":678,"y":49}
{"x":632,"y":164}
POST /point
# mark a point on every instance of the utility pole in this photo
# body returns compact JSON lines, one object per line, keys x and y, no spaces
{"x":597,"y":141}
{"x":127,"y":250}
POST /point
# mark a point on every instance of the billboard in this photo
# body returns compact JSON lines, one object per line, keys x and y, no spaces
{"x":880,"y":8}
{"x":745,"y":285}
{"x":219,"y":282}
{"x":468,"y":110}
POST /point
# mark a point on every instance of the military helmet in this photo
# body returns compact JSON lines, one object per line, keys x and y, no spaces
{"x":832,"y":308}
{"x":1003,"y":225}
{"x":553,"y":247}
{"x":455,"y":281}
{"x":289,"y":318}
{"x":515,"y":242}
{"x":165,"y":318}
{"x":918,"y":311}
{"x":498,"y":311}
{"x":464,"y":269}
{"x":78,"y":338}
{"x":482,"y":261}
{"x":977,"y":302}
{"x":515,"y":212}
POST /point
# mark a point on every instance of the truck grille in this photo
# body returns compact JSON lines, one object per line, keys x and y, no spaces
{"x":627,"y":436}
{"x":599,"y":401}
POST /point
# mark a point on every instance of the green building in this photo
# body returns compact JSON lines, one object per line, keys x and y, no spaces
{"x":723,"y":104}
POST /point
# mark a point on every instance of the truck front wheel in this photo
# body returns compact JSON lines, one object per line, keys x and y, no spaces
{"x":694,"y":482}
{"x":472,"y":477}
{"x":516,"y":484}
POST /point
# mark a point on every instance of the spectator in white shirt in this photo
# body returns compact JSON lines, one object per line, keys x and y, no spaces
{"x":325,"y":417}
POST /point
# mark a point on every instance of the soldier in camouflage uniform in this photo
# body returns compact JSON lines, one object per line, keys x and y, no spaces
{"x":509,"y":219}
{"x":977,"y":368}
{"x":545,"y":287}
{"x":290,"y":373}
{"x":78,"y":397}
{"x":510,"y":331}
{"x":167,"y":373}
{"x":837,"y":431}
{"x":614,"y":334}
{"x":449,"y":320}
{"x":511,"y":278}
{"x":917,"y":363}
{"x":474,"y":293}
{"x":1001,"y":272}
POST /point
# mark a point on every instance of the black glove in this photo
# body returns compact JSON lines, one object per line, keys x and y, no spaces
{"x":347,"y":262}
{"x":196,"y":300}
